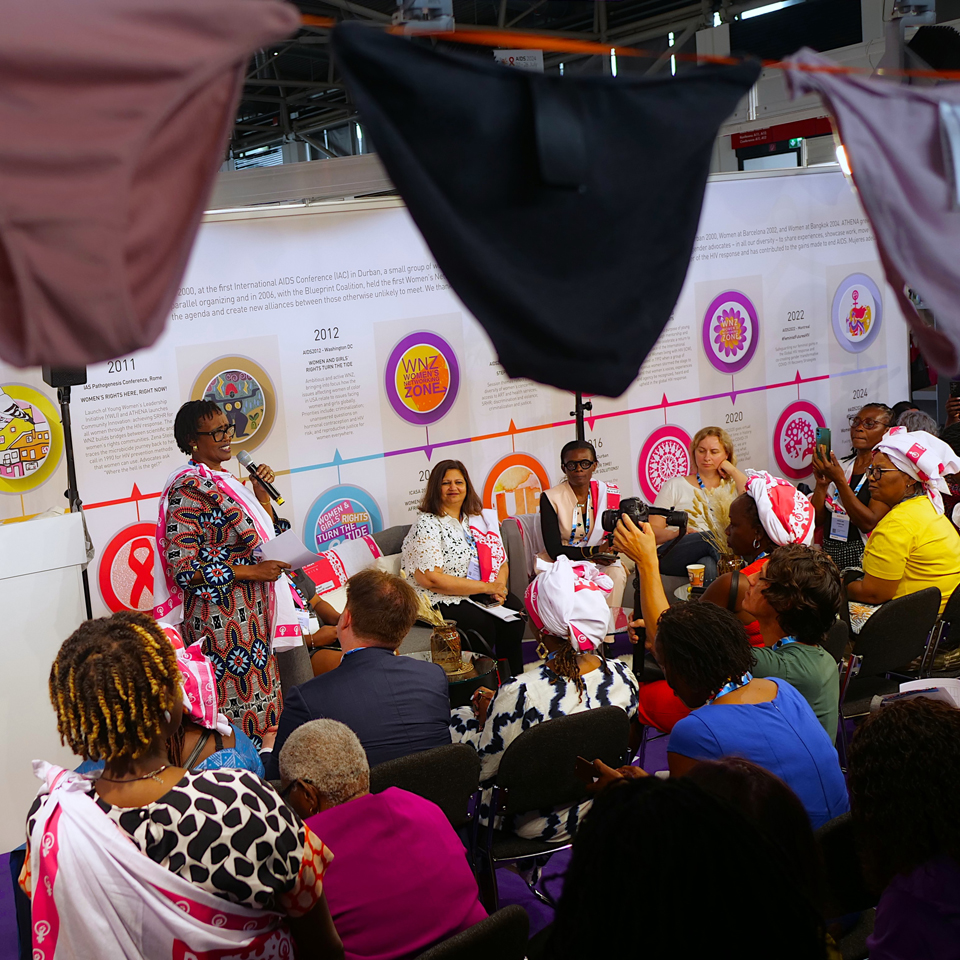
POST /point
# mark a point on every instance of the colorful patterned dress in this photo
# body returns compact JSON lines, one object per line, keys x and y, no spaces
{"x":206,"y":532}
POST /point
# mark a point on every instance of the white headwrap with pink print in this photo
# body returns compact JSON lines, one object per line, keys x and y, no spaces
{"x":786,"y":514}
{"x":199,"y":683}
{"x":923,"y":457}
{"x":568,"y":599}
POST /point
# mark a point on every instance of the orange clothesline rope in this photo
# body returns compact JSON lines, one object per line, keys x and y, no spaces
{"x":486,"y":37}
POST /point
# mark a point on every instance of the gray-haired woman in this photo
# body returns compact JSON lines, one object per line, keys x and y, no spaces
{"x":399,"y":881}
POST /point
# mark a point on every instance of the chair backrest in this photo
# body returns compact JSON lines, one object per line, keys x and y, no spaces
{"x":897,"y":633}
{"x":391,"y":540}
{"x":951,"y":612}
{"x":512,"y":533}
{"x":835,"y":642}
{"x":502,"y":936}
{"x":294,"y":666}
{"x":448,"y":776}
{"x":537,"y":769}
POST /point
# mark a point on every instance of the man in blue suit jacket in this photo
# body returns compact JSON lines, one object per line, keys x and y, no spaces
{"x":395,"y":705}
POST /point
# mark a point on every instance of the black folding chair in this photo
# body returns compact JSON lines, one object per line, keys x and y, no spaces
{"x":941,"y":634}
{"x":502,"y":936}
{"x":537,"y":772}
{"x":449,"y":776}
{"x":836,"y":640}
{"x":893,"y":636}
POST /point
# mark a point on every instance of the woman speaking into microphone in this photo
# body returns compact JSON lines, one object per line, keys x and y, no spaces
{"x":213,"y":586}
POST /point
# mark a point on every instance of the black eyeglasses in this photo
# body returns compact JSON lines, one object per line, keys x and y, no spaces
{"x":869,"y":423}
{"x":285,"y":792}
{"x":224,"y":433}
{"x":571,"y":466}
{"x":876,"y":473}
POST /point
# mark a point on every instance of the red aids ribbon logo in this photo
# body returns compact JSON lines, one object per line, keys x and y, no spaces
{"x":126,"y":569}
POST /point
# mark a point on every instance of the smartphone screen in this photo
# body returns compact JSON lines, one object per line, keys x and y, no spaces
{"x":823,"y":439}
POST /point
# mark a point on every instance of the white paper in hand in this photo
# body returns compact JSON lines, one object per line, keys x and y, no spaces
{"x":289,"y":548}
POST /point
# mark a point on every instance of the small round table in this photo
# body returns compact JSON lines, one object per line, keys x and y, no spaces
{"x":482,"y":673}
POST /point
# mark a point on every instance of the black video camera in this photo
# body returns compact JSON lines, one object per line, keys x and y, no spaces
{"x":640,"y":512}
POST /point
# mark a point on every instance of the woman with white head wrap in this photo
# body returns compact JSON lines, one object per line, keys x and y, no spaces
{"x":568,"y":608}
{"x":914,"y":546}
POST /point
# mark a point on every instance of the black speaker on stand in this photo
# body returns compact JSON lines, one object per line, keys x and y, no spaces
{"x":63,"y":378}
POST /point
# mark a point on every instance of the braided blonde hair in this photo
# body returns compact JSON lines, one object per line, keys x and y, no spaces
{"x":111,"y":683}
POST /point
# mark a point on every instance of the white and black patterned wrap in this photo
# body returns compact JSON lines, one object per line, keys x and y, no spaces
{"x":224,"y":830}
{"x":523,"y":702}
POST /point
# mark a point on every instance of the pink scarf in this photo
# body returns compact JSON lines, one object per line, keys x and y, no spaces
{"x":484,"y":527}
{"x":285,"y":632}
{"x":199,"y":684}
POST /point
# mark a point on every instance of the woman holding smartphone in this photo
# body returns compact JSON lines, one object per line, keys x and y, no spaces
{"x":846,"y":512}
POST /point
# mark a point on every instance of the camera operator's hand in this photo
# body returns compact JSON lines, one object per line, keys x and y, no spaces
{"x":638,"y":543}
{"x":632,"y":628}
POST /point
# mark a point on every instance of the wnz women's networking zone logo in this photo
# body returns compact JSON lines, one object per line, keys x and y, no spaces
{"x":422,"y":378}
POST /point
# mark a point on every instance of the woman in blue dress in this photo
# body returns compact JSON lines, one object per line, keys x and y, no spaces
{"x":707,"y":660}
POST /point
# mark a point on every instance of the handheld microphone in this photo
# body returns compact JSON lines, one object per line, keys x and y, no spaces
{"x":247,"y":461}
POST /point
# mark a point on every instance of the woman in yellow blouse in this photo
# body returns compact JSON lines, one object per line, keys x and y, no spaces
{"x":914,"y":545}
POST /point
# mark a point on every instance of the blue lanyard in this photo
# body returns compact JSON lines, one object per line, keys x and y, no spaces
{"x":702,"y":487}
{"x":863,"y":480}
{"x":730,"y":686}
{"x":586,"y":522}
{"x":785,"y":642}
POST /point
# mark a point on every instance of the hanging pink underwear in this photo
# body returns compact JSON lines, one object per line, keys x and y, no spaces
{"x":114,"y":116}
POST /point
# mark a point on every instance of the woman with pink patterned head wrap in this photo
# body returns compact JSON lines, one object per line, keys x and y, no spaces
{"x":205,"y":739}
{"x":786,"y":514}
{"x":567,"y":602}
{"x":914,"y":546}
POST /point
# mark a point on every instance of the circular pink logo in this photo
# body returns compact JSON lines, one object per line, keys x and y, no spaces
{"x":731,"y":331}
{"x":666,"y":454}
{"x":794,"y":438}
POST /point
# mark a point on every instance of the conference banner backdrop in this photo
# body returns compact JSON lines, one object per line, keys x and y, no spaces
{"x":337,"y":349}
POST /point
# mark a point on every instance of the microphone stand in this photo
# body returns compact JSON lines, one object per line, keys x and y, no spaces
{"x":578,"y":413}
{"x":72,"y":493}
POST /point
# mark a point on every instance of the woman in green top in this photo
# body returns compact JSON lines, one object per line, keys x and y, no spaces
{"x":796,"y":597}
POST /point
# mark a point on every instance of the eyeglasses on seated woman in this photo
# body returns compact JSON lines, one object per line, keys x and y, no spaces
{"x":846,"y":510}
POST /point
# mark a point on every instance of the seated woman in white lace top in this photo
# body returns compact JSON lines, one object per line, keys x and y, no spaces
{"x":454,"y":551}
{"x":568,"y":608}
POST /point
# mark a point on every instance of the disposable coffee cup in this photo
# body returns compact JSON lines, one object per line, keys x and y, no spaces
{"x":695,"y":572}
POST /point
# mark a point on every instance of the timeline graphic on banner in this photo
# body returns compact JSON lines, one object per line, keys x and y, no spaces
{"x":337,"y":350}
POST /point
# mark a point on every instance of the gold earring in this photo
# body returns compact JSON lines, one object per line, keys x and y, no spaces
{"x":542,"y":650}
